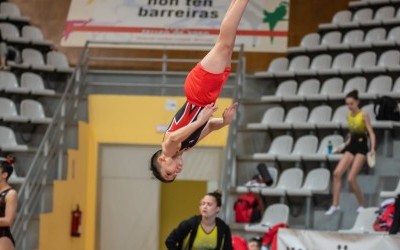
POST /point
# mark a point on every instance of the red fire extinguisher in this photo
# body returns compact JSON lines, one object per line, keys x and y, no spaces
{"x":76,"y":217}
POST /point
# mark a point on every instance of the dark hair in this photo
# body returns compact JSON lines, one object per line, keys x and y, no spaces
{"x":257,"y":240}
{"x":217,"y":195}
{"x":353,"y":94}
{"x":10,"y":159}
{"x":155,"y":167}
{"x":6,"y":167}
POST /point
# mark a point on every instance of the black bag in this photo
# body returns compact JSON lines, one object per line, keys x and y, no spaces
{"x":265,"y":175}
{"x":386,"y":108}
{"x":395,"y":228}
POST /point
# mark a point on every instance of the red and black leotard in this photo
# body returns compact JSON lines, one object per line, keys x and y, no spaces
{"x":187,"y":114}
{"x":5,"y":231}
{"x":201,"y":88}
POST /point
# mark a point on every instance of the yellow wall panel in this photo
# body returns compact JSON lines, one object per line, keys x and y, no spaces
{"x":134,"y":119}
{"x":175,"y":208}
{"x":55,"y":226}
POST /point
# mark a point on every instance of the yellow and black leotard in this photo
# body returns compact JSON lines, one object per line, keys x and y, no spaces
{"x":358,"y":134}
{"x":203,"y":240}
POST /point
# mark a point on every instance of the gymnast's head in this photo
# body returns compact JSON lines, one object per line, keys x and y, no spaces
{"x":6,"y":169}
{"x":165,"y":168}
{"x":210,"y":205}
{"x":352,"y":101}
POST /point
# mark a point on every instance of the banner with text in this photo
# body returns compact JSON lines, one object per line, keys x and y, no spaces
{"x":321,"y":240}
{"x":264,"y":26}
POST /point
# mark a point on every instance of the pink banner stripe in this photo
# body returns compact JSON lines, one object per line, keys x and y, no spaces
{"x":72,"y":28}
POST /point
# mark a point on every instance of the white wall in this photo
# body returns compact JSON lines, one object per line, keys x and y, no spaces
{"x":129,"y":199}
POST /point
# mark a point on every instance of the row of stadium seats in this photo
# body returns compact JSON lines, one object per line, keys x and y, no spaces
{"x":290,"y":183}
{"x":279,"y":213}
{"x":273,"y":214}
{"x":371,"y":3}
{"x":29,"y":35}
{"x":11,"y":12}
{"x":342,"y":64}
{"x":33,"y":59}
{"x":356,"y":39}
{"x":363,"y":17}
{"x":332,"y":89}
{"x":31,"y":111}
{"x":30,"y":83}
{"x":306,"y":148}
{"x":8,"y":141}
{"x":320,"y":117}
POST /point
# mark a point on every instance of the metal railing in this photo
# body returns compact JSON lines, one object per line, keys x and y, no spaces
{"x":49,"y":160}
{"x":228,"y":174}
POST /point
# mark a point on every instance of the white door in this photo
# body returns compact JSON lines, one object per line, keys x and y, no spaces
{"x":128,"y":206}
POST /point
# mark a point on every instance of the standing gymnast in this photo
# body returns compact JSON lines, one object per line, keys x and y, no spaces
{"x":202,"y":87}
{"x":8,"y":206}
{"x":355,"y":152}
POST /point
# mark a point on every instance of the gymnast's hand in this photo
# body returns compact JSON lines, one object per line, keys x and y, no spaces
{"x":229,"y":113}
{"x":207,"y":112}
{"x":372,"y":152}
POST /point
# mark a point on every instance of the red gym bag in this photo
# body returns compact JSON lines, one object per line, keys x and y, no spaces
{"x":248,"y":208}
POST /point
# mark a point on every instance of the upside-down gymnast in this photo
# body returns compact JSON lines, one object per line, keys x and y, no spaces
{"x":202,"y":87}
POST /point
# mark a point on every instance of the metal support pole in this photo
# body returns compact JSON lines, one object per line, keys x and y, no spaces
{"x":308,"y":215}
{"x":164,"y":69}
{"x":387,"y":152}
{"x":61,"y":142}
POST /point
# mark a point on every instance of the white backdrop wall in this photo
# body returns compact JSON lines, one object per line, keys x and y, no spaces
{"x":264,"y":26}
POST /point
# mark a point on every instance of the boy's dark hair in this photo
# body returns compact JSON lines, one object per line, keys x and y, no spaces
{"x":155,"y":167}
{"x":6,"y":167}
{"x":353,"y":94}
{"x":218,"y":197}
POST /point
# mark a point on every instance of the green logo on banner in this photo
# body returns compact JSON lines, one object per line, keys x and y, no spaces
{"x":273,"y":18}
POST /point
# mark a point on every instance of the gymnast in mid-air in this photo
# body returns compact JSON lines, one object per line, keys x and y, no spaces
{"x":203,"y":85}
